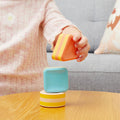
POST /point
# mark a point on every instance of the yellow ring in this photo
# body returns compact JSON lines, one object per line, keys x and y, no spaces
{"x":52,"y":96}
{"x":43,"y":94}
{"x":45,"y":104}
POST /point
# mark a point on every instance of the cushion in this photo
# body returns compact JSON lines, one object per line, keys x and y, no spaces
{"x":110,"y":42}
{"x":97,"y":72}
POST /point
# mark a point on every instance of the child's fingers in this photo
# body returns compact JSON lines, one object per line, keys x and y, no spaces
{"x":77,"y":37}
{"x":82,"y":57}
{"x":83,"y":53}
{"x":83,"y":50}
{"x":82,"y":42}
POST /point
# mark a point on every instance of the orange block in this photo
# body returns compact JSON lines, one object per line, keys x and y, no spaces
{"x":65,"y":48}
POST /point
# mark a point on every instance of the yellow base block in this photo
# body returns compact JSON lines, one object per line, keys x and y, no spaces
{"x":52,"y":99}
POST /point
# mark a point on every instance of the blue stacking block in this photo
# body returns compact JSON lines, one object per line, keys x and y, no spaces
{"x":55,"y":79}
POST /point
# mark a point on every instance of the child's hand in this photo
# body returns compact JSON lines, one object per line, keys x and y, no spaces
{"x":81,"y":42}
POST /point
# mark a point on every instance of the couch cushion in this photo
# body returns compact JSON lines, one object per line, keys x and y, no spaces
{"x":110,"y":42}
{"x":97,"y":72}
{"x":49,"y":48}
{"x":90,"y":16}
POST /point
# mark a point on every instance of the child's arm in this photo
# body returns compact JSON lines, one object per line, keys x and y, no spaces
{"x":55,"y":23}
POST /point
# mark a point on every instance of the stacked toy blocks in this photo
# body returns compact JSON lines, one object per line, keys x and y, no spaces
{"x":65,"y":48}
{"x":55,"y":86}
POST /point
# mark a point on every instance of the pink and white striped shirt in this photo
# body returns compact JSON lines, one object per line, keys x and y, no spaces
{"x":25,"y":28}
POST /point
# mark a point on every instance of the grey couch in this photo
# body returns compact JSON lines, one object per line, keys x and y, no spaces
{"x":97,"y":72}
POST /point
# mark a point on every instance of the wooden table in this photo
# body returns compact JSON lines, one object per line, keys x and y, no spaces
{"x":81,"y":105}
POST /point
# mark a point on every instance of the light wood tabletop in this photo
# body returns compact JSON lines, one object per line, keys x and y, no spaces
{"x":80,"y":105}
